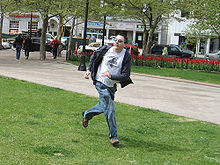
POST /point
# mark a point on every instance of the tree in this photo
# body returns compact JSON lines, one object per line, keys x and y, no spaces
{"x":46,"y":9}
{"x":5,"y":6}
{"x":68,"y":11}
{"x":205,"y":13}
{"x":97,"y":11}
{"x":194,"y":34}
{"x":149,"y":12}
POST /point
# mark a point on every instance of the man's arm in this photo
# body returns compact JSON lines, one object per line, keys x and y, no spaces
{"x":88,"y":72}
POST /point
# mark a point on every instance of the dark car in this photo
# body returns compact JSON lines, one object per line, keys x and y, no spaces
{"x":36,"y":44}
{"x":173,"y":50}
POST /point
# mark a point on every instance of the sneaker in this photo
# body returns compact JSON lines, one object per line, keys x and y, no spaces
{"x":115,"y":142}
{"x":85,"y":122}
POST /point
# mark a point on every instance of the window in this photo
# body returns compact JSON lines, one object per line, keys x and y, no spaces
{"x":34,"y":25}
{"x":173,"y":49}
{"x":13,"y":27}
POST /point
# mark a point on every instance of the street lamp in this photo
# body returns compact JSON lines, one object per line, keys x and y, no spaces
{"x":103,"y":30}
{"x":31,"y":26}
{"x":103,"y":33}
{"x":82,"y":66}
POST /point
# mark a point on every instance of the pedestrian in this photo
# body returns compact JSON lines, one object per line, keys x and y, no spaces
{"x":108,"y":65}
{"x":165,"y":51}
{"x":164,"y":54}
{"x":18,"y":45}
{"x":27,"y":46}
{"x":135,"y":52}
{"x":55,"y":44}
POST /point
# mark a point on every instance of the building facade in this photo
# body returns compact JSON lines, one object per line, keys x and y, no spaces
{"x":15,"y":23}
{"x":176,"y":35}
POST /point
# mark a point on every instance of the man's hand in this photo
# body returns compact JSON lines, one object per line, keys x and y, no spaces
{"x":86,"y":75}
{"x":107,"y":74}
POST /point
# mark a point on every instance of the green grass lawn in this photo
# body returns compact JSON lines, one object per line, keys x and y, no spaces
{"x":208,"y":77}
{"x":42,"y":125}
{"x":201,"y":76}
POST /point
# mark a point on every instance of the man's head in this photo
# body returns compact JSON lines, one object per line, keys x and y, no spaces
{"x":119,"y":43}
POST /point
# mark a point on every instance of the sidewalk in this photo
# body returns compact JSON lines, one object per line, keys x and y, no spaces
{"x":181,"y":97}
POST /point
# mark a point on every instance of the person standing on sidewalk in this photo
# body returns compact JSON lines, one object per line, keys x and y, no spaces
{"x":27,"y":46}
{"x":135,"y":52}
{"x":108,"y":66}
{"x":18,"y":45}
{"x":55,"y":44}
{"x":165,"y":51}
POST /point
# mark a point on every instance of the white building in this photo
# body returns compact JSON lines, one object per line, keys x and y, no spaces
{"x":176,"y":35}
{"x":15,"y":23}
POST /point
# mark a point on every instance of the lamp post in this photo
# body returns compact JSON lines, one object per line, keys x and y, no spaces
{"x":103,"y":33}
{"x":82,"y":66}
{"x":103,"y":30}
{"x":31,"y":26}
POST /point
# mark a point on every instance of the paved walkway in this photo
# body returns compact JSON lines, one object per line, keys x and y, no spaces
{"x":185,"y":98}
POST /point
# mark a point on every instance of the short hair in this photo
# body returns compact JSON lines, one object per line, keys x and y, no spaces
{"x":125,"y":38}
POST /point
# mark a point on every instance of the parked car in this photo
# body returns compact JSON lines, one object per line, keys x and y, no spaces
{"x":36,"y":44}
{"x":213,"y":56}
{"x":6,"y":45}
{"x":173,"y":50}
{"x":91,"y":47}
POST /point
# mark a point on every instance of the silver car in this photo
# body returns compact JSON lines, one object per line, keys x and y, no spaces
{"x":6,"y":45}
{"x":213,"y":56}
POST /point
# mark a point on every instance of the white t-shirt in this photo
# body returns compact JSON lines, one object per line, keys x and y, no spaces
{"x":112,"y":63}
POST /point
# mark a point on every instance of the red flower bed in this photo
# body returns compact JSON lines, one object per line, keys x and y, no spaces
{"x":185,"y":63}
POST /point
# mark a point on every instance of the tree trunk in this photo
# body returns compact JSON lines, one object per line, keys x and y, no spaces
{"x":1,"y":25}
{"x":69,"y":51}
{"x":145,"y":39}
{"x":43,"y":39}
{"x":60,"y":34}
{"x":149,"y":40}
{"x":197,"y":46}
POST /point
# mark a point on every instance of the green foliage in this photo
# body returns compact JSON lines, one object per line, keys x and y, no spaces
{"x":76,"y":57}
{"x":205,"y":14}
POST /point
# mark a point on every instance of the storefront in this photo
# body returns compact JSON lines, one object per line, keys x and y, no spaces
{"x":15,"y":23}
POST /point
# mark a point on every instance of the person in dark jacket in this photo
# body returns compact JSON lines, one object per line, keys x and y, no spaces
{"x":27,"y":46}
{"x":108,"y":66}
{"x":18,"y":45}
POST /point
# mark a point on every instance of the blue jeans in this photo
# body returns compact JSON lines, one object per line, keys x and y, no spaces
{"x":106,"y":106}
{"x":18,"y":52}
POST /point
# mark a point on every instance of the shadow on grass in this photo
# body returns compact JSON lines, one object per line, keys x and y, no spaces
{"x":149,"y":145}
{"x":32,"y":123}
{"x":54,"y":151}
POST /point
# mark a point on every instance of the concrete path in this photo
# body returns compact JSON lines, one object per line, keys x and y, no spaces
{"x":185,"y":98}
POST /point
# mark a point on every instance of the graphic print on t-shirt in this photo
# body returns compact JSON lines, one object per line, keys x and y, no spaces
{"x":113,"y":62}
